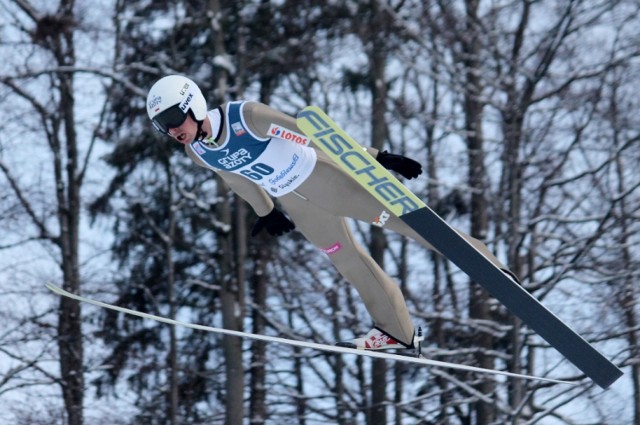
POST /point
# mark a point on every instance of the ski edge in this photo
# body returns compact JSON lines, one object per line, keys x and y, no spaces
{"x":303,"y":344}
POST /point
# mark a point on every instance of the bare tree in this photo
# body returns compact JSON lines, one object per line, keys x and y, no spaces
{"x":516,"y":72}
{"x":45,"y":87}
{"x":522,"y":119}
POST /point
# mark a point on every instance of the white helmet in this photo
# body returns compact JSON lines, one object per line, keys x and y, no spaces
{"x":170,"y":100}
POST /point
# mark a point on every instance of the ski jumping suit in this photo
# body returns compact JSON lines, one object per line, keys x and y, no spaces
{"x":259,"y":151}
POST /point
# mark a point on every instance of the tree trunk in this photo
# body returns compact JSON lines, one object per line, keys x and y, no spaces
{"x":231,"y":292}
{"x":257,"y":372}
{"x":70,"y":342}
{"x":479,"y":299}
{"x":378,"y":242}
{"x":233,"y":248}
{"x":172,"y":358}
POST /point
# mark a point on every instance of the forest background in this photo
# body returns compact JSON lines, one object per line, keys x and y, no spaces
{"x":524,"y":114}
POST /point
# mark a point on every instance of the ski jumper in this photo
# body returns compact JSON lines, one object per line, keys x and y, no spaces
{"x":260,"y":152}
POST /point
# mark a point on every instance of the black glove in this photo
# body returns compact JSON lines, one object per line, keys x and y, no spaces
{"x":407,"y":167}
{"x":275,"y":222}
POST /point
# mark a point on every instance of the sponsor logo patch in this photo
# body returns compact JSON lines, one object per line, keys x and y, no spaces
{"x":155,"y":103}
{"x":332,"y":249}
{"x":238,"y":129}
{"x":198,"y":148}
{"x":381,"y":220}
{"x":284,"y":173}
{"x":285,"y":134}
{"x":184,"y":105}
{"x":235,"y":159}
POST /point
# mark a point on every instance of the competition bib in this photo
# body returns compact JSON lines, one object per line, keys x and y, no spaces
{"x":278,"y":165}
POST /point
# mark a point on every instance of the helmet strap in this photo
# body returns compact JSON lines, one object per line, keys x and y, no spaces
{"x":200,"y":134}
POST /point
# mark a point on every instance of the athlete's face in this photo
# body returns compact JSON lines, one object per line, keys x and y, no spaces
{"x":186,"y":132}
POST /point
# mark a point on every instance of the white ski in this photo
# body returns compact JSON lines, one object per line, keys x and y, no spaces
{"x":304,"y":344}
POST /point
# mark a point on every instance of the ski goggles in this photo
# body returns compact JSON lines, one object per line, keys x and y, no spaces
{"x":168,"y":119}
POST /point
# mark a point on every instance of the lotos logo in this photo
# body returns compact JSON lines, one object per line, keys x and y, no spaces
{"x":153,"y":103}
{"x":285,"y":134}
